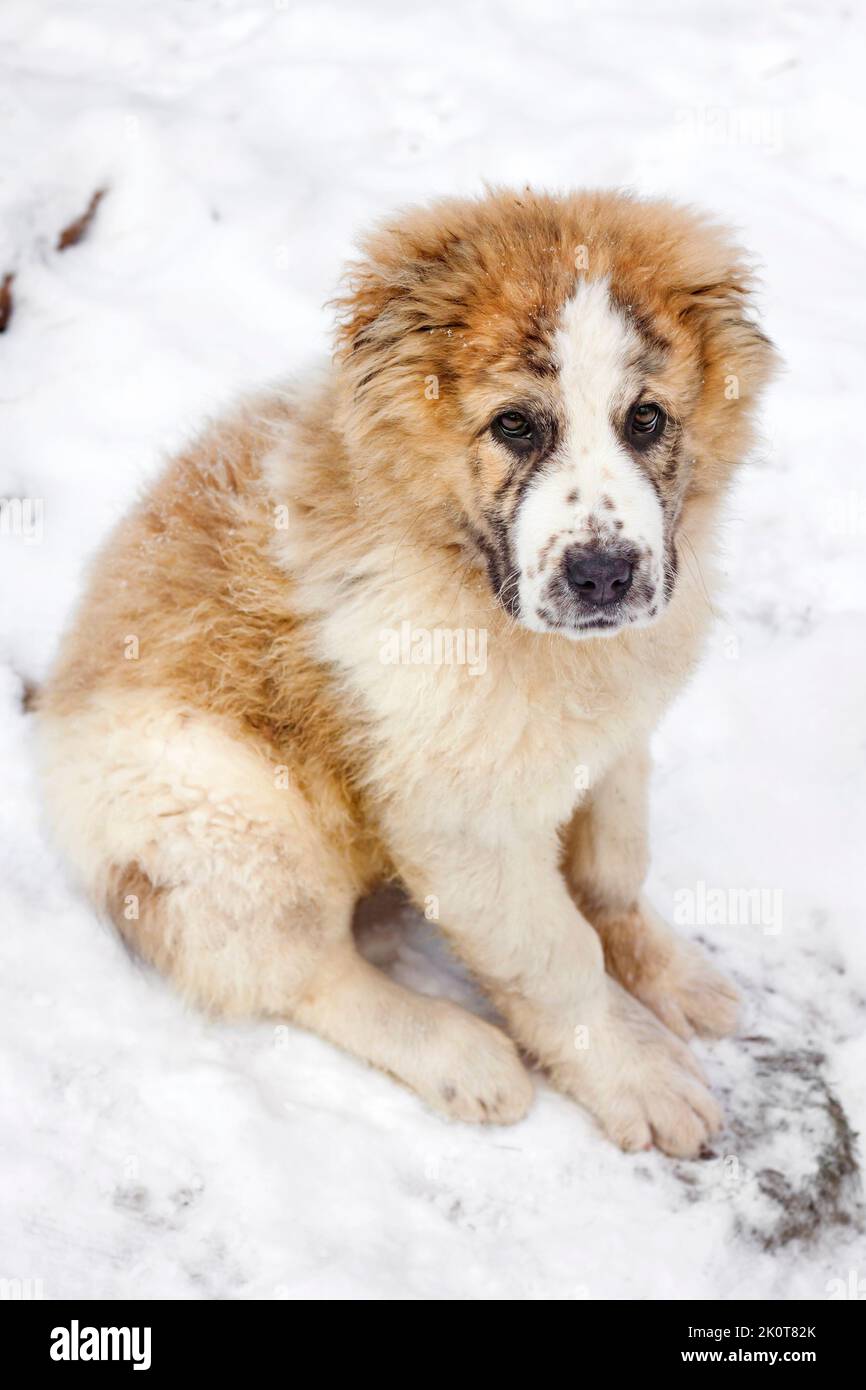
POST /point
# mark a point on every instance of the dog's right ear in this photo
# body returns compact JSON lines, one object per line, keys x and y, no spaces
{"x":367,"y":287}
{"x":394,"y":287}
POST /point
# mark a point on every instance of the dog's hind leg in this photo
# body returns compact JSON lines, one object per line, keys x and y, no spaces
{"x":219,"y":871}
{"x":456,"y":1063}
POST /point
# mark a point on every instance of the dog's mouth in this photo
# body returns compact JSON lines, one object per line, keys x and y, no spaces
{"x":570,"y":623}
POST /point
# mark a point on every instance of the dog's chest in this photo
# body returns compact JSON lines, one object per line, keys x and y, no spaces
{"x":511,"y":741}
{"x":484,"y":727}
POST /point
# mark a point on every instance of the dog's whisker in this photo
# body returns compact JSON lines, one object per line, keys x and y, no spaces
{"x":695,"y":558}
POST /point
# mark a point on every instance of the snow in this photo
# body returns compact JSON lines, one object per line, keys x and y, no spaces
{"x":149,"y":1153}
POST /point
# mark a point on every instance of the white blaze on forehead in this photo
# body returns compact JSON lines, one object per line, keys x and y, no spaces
{"x":592,"y":476}
{"x":593,"y":344}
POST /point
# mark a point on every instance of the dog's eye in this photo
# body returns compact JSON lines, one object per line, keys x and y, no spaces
{"x":511,"y":425}
{"x":645,"y":422}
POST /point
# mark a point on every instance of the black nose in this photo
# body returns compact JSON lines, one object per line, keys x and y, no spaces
{"x":597,"y":576}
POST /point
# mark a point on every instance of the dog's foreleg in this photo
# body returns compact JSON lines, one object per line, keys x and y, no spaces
{"x":606,"y":862}
{"x":507,"y":909}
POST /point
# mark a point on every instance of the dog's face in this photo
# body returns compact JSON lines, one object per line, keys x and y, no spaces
{"x":581,"y":476}
{"x":547,"y":383}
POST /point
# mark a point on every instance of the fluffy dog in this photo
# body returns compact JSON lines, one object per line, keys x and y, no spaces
{"x":415,"y":620}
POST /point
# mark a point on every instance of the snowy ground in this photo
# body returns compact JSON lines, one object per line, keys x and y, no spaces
{"x":148,"y":1153}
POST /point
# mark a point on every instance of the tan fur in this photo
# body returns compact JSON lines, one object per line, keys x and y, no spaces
{"x":228,"y":764}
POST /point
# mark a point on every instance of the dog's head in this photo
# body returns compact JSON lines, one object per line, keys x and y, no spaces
{"x":547,"y":382}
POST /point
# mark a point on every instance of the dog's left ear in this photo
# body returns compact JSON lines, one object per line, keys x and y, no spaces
{"x":714,"y":299}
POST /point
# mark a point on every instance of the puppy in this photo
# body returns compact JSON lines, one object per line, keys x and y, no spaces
{"x":415,"y":620}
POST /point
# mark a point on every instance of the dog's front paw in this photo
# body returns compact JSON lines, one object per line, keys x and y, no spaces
{"x":690,"y":996}
{"x":670,"y":976}
{"x":474,"y":1072}
{"x":642,"y":1084}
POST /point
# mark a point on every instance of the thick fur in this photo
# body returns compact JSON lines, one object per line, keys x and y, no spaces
{"x":230,"y":762}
